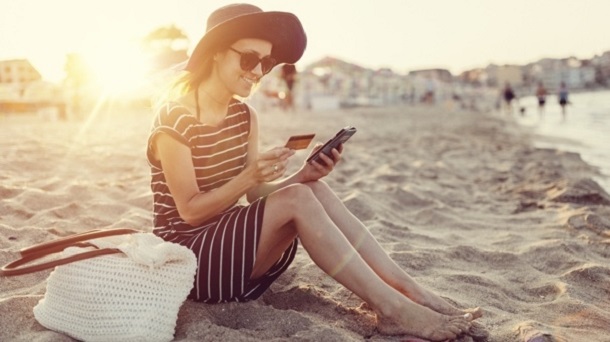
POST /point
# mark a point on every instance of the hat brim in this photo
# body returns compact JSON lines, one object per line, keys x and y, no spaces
{"x":282,"y":29}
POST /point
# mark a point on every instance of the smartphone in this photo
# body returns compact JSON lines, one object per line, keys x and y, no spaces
{"x":342,"y":136}
{"x":299,"y":142}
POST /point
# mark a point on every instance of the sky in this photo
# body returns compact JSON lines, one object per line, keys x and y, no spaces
{"x":402,"y":35}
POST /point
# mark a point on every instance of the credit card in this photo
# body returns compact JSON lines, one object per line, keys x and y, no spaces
{"x":299,"y":142}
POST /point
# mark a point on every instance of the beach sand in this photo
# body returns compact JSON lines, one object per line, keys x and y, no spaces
{"x":462,"y":201}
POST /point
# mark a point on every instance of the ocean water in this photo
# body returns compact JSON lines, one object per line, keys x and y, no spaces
{"x":585,"y":129}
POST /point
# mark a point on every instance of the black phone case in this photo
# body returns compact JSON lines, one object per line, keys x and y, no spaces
{"x":342,"y":136}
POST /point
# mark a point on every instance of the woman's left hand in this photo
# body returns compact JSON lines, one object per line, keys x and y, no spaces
{"x":313,"y":170}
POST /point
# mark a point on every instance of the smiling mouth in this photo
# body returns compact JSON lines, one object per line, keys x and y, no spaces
{"x":250,"y":81}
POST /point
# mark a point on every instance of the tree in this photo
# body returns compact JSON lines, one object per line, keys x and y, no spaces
{"x":167,"y":46}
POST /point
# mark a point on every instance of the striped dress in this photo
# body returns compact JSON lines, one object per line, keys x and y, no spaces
{"x":226,"y":244}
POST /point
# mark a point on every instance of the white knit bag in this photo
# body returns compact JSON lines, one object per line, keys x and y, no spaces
{"x":130,"y":296}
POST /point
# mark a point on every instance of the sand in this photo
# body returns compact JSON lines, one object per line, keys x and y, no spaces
{"x":461,"y":200}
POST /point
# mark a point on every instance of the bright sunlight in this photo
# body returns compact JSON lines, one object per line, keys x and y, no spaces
{"x":119,"y":68}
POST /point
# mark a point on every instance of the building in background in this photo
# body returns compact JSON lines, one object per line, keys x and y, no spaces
{"x":18,"y":72}
{"x":23,"y":90}
{"x":602,"y":65}
{"x":499,"y":75}
{"x":326,"y":84}
{"x":15,"y":76}
{"x":572,"y":71}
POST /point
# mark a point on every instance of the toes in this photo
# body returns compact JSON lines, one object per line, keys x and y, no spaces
{"x":448,"y":333}
{"x":455,"y":330}
{"x":460,"y":322}
{"x":478,"y":332}
{"x":476,"y":312}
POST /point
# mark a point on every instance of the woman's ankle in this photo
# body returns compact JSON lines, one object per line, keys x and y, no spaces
{"x":391,"y":307}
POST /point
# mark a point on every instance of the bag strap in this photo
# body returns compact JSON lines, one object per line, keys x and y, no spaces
{"x":43,"y":249}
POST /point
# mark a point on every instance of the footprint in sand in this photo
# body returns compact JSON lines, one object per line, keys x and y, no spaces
{"x":593,"y":222}
{"x":530,"y":332}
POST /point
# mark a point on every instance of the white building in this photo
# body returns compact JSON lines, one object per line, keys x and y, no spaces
{"x":575,"y":77}
{"x":18,"y":71}
{"x":23,"y":90}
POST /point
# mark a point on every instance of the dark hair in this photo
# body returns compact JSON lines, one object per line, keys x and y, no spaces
{"x":187,"y":81}
{"x":201,"y":73}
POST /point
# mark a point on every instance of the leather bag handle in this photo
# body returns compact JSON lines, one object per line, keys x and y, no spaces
{"x":43,"y":249}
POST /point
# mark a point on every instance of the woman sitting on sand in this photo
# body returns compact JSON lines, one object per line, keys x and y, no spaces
{"x":203,"y":151}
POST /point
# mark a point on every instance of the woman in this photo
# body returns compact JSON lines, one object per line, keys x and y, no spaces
{"x":203,"y":151}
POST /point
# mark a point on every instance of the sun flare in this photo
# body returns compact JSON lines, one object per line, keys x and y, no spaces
{"x":117,"y":67}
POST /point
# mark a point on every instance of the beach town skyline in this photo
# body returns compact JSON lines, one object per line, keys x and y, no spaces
{"x":400,"y":35}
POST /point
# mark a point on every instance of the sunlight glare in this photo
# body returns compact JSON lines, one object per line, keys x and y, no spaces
{"x":119,"y":68}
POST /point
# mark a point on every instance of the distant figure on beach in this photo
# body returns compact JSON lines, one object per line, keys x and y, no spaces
{"x":509,"y":95}
{"x":541,"y":96}
{"x":563,"y":99}
{"x":204,"y":155}
{"x":430,"y":94}
{"x":289,"y":75}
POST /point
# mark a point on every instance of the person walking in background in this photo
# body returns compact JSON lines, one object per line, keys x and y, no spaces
{"x":289,"y":75}
{"x":509,"y":95}
{"x":563,"y":99}
{"x":541,"y":96}
{"x":430,"y":94}
{"x":204,"y":157}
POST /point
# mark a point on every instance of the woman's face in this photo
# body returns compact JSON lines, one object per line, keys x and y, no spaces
{"x":236,"y":80}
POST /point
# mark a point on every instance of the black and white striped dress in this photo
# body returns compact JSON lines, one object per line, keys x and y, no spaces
{"x":226,"y":244}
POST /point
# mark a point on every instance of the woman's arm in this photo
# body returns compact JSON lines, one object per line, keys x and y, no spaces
{"x":307,"y":173}
{"x":263,"y":189}
{"x":194,"y":206}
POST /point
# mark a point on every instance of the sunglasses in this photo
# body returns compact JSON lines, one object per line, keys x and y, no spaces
{"x":249,"y":60}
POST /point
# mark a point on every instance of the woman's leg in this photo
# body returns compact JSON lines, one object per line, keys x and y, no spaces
{"x":335,"y":255}
{"x":378,"y":259}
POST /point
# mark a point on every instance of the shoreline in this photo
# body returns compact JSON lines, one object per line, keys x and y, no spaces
{"x":463,"y":201}
{"x":582,"y":131}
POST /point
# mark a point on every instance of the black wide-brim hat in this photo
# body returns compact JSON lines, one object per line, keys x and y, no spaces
{"x":237,"y":21}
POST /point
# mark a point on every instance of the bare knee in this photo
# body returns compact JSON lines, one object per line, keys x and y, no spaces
{"x":297,"y":196}
{"x":323,"y":192}
{"x":318,"y":186}
{"x":293,"y":198}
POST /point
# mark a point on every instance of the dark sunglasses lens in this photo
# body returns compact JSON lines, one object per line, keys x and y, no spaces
{"x":267,"y":64}
{"x":250,"y":60}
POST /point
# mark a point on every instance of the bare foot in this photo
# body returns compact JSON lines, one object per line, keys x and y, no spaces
{"x":420,"y":321}
{"x":478,"y":332}
{"x":442,"y":306}
{"x":433,"y":301}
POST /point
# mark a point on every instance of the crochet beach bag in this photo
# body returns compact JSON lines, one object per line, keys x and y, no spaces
{"x":122,"y":285}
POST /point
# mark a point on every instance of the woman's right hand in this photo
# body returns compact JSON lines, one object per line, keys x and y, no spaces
{"x":271,"y":165}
